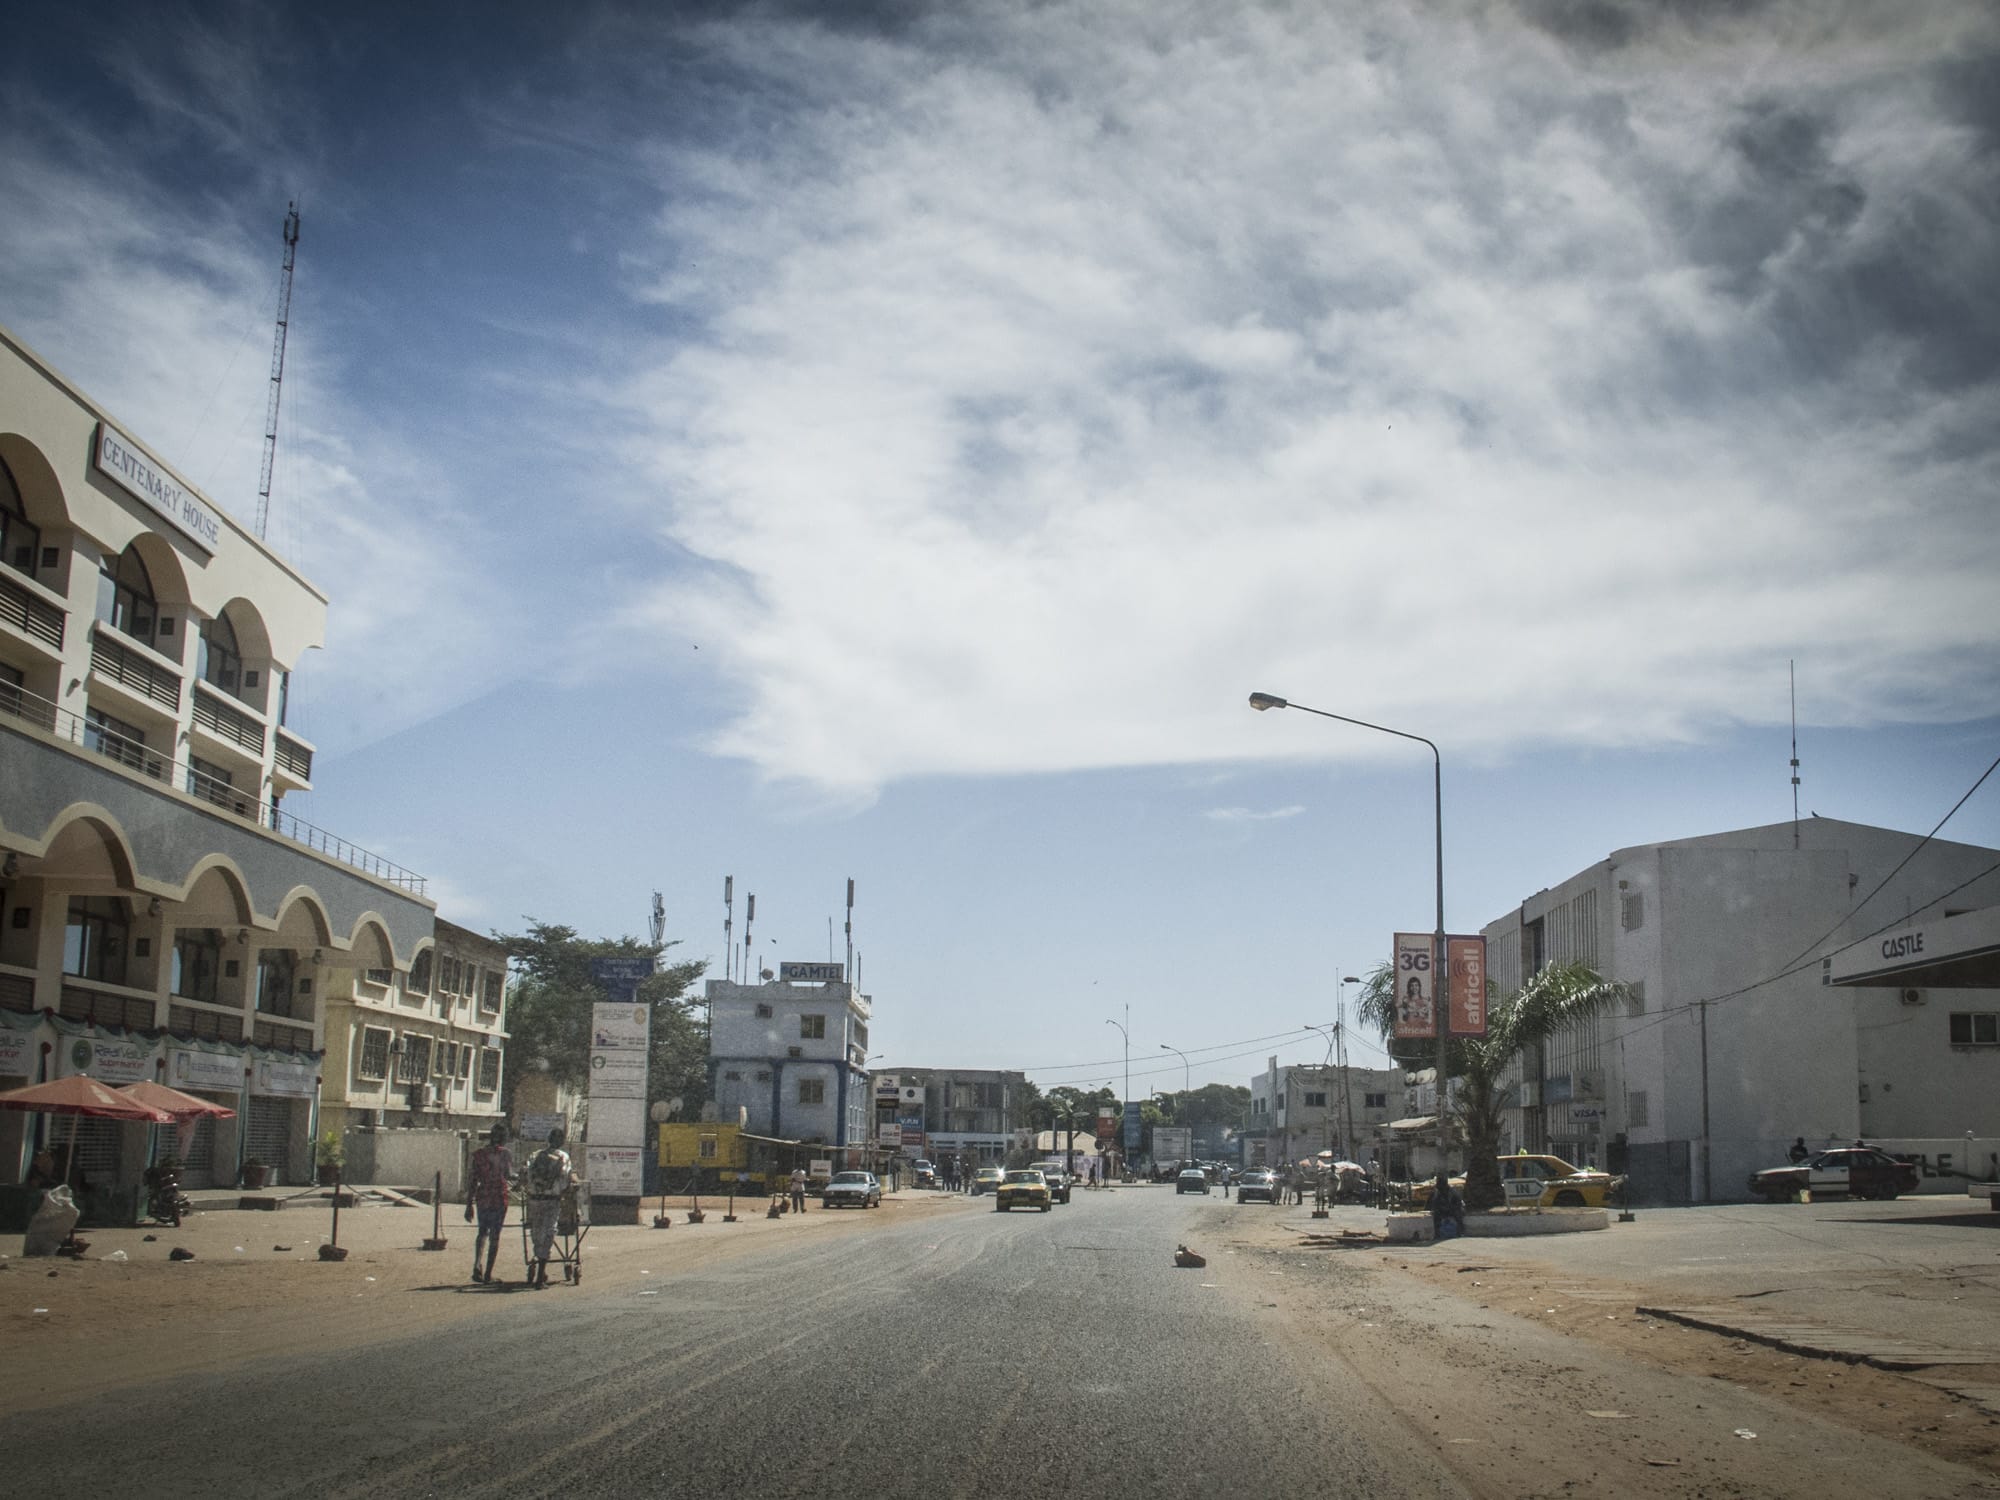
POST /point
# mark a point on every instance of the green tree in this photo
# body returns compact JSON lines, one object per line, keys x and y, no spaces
{"x":1557,"y":998}
{"x":548,"y":1012}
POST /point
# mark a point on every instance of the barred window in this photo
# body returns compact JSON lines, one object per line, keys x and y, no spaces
{"x":489,"y":1070}
{"x":489,"y":993}
{"x":373,"y":1061}
{"x":415,"y":1064}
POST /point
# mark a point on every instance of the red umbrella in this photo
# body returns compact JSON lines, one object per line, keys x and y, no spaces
{"x":80,"y":1095}
{"x":174,"y":1102}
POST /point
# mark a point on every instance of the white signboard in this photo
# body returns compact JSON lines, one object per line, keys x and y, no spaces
{"x":820,"y":1166}
{"x":191,"y":1068}
{"x":120,"y":460}
{"x":616,"y":1122}
{"x":617,"y":1075}
{"x":619,"y":1028}
{"x":614,"y":1171}
{"x":1522,"y":1189}
{"x":286,"y":1080}
{"x":810,"y":973}
{"x":16,"y":1048}
{"x":106,"y":1059}
{"x":535,"y":1128}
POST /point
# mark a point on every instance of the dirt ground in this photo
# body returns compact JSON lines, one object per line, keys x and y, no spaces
{"x":1532,"y":1346}
{"x":257,"y":1286}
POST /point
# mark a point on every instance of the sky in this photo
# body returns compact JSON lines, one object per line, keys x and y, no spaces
{"x":889,"y":441}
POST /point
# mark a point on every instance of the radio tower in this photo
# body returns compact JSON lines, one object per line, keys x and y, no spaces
{"x":277,"y":368}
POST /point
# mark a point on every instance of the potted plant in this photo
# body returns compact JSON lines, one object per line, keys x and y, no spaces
{"x":255,"y":1173}
{"x":329,"y":1155}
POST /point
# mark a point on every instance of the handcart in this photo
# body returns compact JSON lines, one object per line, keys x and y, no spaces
{"x":572,"y":1225}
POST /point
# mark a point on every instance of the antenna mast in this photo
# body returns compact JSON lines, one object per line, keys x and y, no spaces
{"x":277,"y":367}
{"x":1793,"y":667}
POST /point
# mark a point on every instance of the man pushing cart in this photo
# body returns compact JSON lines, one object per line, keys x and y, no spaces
{"x":557,"y":1216}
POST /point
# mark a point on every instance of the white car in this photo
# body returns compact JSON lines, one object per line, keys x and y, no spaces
{"x":852,"y":1190}
{"x":1191,"y":1180}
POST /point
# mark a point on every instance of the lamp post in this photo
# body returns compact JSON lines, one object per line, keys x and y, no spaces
{"x":1187,"y":1073}
{"x":1326,"y":1068}
{"x":1124,"y":1032}
{"x":1346,"y":1091}
{"x":1440,"y":987}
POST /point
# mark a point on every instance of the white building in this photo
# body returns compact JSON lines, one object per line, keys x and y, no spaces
{"x":970,"y":1115}
{"x":1301,"y":1109}
{"x":161,"y":915}
{"x":1733,"y":1045}
{"x":789,"y":1057}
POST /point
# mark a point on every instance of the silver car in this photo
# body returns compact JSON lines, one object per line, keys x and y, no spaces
{"x":852,"y":1190}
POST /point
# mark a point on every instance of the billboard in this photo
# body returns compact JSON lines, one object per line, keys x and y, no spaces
{"x":1416,"y":987}
{"x":1465,"y":961}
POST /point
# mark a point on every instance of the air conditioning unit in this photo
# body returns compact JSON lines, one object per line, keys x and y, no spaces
{"x":1911,"y":997}
{"x":421,"y":1096}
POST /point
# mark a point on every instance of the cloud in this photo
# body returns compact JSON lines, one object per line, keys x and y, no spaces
{"x":1248,"y":815}
{"x":1059,"y":373}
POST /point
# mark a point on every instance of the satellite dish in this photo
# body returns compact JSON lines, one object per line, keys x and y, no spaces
{"x":662,"y":1110}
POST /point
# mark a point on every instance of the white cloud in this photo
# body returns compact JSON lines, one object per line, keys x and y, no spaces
{"x":1251,"y":815}
{"x":1071,"y":371}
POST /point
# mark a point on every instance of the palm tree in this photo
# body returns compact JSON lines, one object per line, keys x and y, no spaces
{"x":1558,"y":997}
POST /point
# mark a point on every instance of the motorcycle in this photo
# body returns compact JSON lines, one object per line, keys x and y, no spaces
{"x":165,"y":1202}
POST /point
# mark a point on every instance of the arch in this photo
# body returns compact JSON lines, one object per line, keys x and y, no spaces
{"x":86,"y":841}
{"x":246,"y":621}
{"x":164,"y":568}
{"x":41,"y":492}
{"x":215,"y":886}
{"x":302,"y":917}
{"x":370,"y":946}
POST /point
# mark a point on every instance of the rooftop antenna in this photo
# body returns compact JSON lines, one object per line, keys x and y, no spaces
{"x":277,"y":368}
{"x":749,"y":916}
{"x":849,"y":973}
{"x":1793,"y":667}
{"x":728,"y":920}
{"x":659,"y":919}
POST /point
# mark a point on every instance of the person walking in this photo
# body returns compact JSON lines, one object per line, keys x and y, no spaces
{"x":799,"y":1189}
{"x":549,"y":1172}
{"x":486,"y":1196}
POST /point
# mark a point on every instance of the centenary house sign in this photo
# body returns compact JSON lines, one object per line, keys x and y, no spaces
{"x":121,"y":460}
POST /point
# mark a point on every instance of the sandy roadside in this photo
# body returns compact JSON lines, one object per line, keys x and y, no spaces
{"x":257,"y":1286}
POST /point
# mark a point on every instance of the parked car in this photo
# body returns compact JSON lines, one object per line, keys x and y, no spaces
{"x":1562,"y":1184}
{"x":1257,"y":1182}
{"x":924,"y":1174}
{"x":1060,"y":1182}
{"x":1191,"y":1180}
{"x":1025,"y":1187}
{"x":986,"y":1179}
{"x":1852,"y":1171}
{"x":852,"y":1190}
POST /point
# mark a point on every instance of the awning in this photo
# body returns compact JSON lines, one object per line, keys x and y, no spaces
{"x":1419,"y":1122}
{"x":1949,"y":953}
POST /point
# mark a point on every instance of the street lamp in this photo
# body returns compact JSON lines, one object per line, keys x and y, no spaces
{"x":1326,"y":1068}
{"x":1441,"y":998}
{"x":1187,"y":1073}
{"x":1127,"y":1035}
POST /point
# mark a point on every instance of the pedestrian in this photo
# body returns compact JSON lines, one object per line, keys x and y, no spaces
{"x":549,"y":1172}
{"x":1798,"y":1153}
{"x":1447,"y":1209}
{"x":799,"y":1189}
{"x":486,"y":1195}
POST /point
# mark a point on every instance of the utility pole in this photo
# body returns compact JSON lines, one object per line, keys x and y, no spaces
{"x":277,"y":368}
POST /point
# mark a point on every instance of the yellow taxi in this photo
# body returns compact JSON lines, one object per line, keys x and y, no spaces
{"x":1533,"y":1181}
{"x":1025,"y":1188}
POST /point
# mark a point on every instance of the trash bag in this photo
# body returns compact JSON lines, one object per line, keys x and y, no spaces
{"x":51,"y":1224}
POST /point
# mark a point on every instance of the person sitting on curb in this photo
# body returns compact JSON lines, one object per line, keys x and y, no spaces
{"x":1447,"y":1208}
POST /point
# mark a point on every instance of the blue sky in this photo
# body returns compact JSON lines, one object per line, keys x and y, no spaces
{"x":890,"y":441}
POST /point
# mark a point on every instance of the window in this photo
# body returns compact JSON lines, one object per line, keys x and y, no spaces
{"x":1315,"y":1100}
{"x":1636,"y":1107}
{"x":382,"y":978}
{"x":489,"y":1070}
{"x":812,"y":1091}
{"x":706,"y":1149}
{"x":125,"y":599}
{"x":1969,"y":1028}
{"x":448,"y":975}
{"x":276,"y":970}
{"x":209,"y":782}
{"x":116,"y":740}
{"x":812,"y":1028}
{"x":419,"y":982}
{"x":284,"y":695}
{"x":986,"y":1095}
{"x":1632,"y":910}
{"x":446,"y":1057}
{"x":197,"y":960}
{"x":763,"y":1075}
{"x":414,"y":1066}
{"x":1635,"y":998}
{"x":1375,"y":1101}
{"x":19,"y":541}
{"x":763,"y":1012}
{"x":464,"y":1068}
{"x":489,"y":991}
{"x":374,"y":1059}
{"x":94,"y":939}
{"x":217,"y":661}
{"x":732,"y":1076}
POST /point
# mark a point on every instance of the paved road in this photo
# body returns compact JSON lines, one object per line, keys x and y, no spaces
{"x":967,"y":1354}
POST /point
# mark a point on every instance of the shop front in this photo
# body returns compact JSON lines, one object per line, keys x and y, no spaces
{"x":208,"y":1147}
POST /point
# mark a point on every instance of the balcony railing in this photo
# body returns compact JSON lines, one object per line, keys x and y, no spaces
{"x":24,"y":611}
{"x":293,"y":758}
{"x":227,"y":723}
{"x":130,"y":669}
{"x":19,"y":704}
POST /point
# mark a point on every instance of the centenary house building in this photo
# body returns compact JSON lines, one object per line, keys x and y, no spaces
{"x":161,"y":915}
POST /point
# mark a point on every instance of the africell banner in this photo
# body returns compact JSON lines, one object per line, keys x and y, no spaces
{"x":1465,"y":958}
{"x":1416,"y":987}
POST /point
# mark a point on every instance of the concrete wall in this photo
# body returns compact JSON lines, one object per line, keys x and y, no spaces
{"x":408,"y":1158}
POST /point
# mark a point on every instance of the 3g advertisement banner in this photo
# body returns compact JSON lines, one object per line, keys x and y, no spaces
{"x":1416,"y":987}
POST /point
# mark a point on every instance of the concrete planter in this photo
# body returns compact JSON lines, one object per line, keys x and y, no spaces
{"x":1416,"y":1228}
